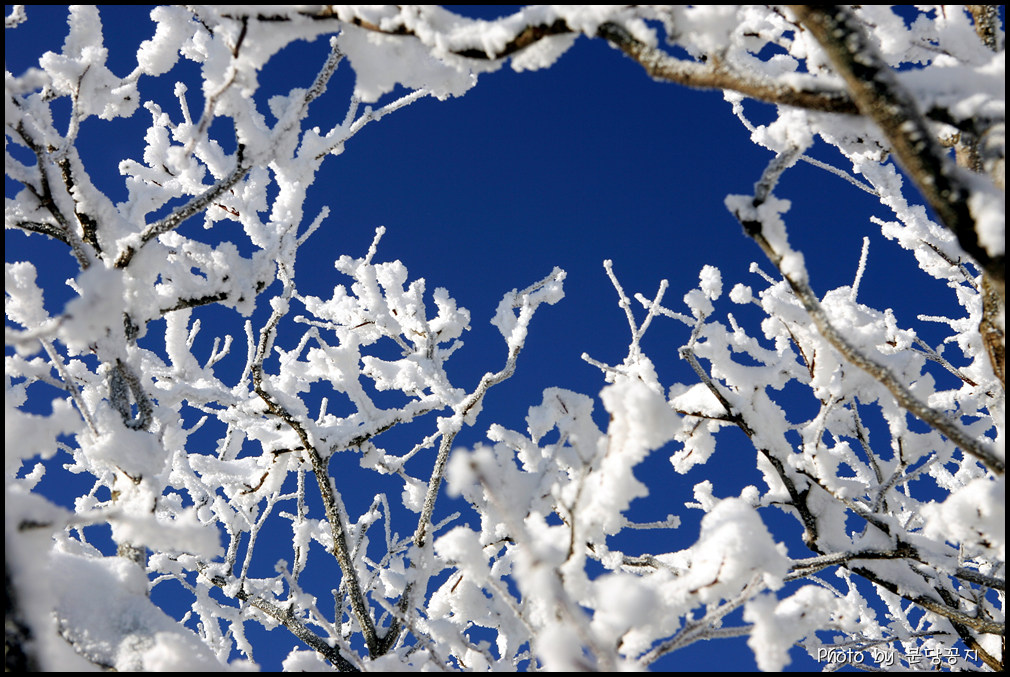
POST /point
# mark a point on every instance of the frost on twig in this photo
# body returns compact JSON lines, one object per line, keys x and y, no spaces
{"x":191,"y":454}
{"x":757,"y":227}
{"x":872,"y":357}
{"x":513,"y":329}
{"x":881,"y":97}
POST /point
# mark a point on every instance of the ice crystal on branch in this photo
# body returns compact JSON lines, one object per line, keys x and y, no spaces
{"x":276,"y":444}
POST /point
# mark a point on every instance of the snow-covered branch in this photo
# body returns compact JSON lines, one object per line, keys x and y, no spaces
{"x":159,"y":479}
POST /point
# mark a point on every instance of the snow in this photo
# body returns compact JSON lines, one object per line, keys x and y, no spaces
{"x":24,"y":302}
{"x":741,"y":293}
{"x":734,"y":546}
{"x":108,"y":616}
{"x":779,"y":626}
{"x":102,"y":604}
{"x":531,"y":572}
{"x":543,"y":54}
{"x":158,"y":55}
{"x":989,"y":210}
{"x":81,"y":70}
{"x":974,"y":515}
{"x":381,"y":62}
{"x":181,"y":533}
{"x":698,"y":399}
{"x":550,"y":290}
{"x":711,"y":282}
{"x":642,"y":419}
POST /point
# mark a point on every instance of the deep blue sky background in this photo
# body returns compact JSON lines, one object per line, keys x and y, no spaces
{"x":586,"y":161}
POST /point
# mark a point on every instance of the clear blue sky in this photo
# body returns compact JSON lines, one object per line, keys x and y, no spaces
{"x":586,"y":161}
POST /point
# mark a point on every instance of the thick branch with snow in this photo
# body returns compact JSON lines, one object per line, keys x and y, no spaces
{"x":892,"y":479}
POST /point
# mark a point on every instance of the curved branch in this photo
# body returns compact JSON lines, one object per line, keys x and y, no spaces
{"x":709,"y":625}
{"x":979,"y":578}
{"x":474,"y":402}
{"x":335,"y":513}
{"x":811,"y":95}
{"x":906,"y":399}
{"x":194,"y":206}
{"x":811,"y":565}
{"x":880,"y":97}
{"x":121,"y":378}
{"x":956,"y":616}
{"x":797,"y":495}
{"x":662,"y":66}
{"x":43,"y":228}
{"x":801,"y":288}
{"x":47,"y":199}
{"x":803,"y":91}
{"x":287,"y":618}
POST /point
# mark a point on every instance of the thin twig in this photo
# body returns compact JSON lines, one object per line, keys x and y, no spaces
{"x":880,"y":96}
{"x":801,"y":288}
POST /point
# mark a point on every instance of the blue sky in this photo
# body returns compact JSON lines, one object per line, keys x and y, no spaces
{"x":586,"y":161}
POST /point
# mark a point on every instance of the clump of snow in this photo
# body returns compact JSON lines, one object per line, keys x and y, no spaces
{"x":23,"y":301}
{"x":734,"y":548}
{"x":513,"y":328}
{"x":709,"y":26}
{"x":382,"y":61}
{"x":98,"y":310}
{"x":790,"y":131}
{"x":133,"y":451}
{"x":158,"y":55}
{"x":711,"y":282}
{"x":559,"y":648}
{"x":86,"y":610}
{"x":741,"y":293}
{"x":974,"y":515}
{"x":543,"y":53}
{"x":778,"y":626}
{"x":80,"y":71}
{"x":558,"y":404}
{"x":698,"y":399}
{"x":989,"y":210}
{"x":182,"y":533}
{"x":625,"y":603}
{"x":301,"y":660}
{"x":106,"y":614}
{"x":699,"y":303}
{"x":641,"y":419}
{"x":464,"y":549}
